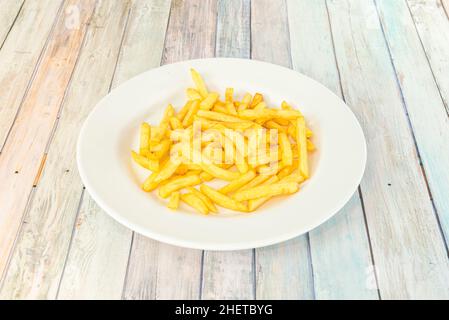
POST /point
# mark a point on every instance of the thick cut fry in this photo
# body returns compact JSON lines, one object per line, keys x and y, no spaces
{"x":193,"y":94}
{"x":178,"y":184}
{"x":145,"y":162}
{"x":188,"y":119}
{"x":222,"y":200}
{"x":195,"y":202}
{"x":209,"y":101}
{"x":238,"y":183}
{"x":229,"y":93}
{"x":256,"y":203}
{"x":285,"y":171}
{"x":208,"y":202}
{"x":144,"y":138}
{"x":266,"y":191}
{"x":173,"y":203}
{"x":260,"y":106}
{"x":199,"y":83}
{"x":272,"y":124}
{"x":221,"y":109}
{"x":167,"y":170}
{"x":211,"y":115}
{"x":301,"y":141}
{"x":286,"y":149}
{"x":293,"y":177}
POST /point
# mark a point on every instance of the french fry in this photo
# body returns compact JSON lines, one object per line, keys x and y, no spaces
{"x":218,"y":172}
{"x":145,"y":162}
{"x":178,"y":184}
{"x":195,"y":202}
{"x":244,"y":104}
{"x":173,"y":203}
{"x":222,"y":200}
{"x":221,"y":109}
{"x":185,"y":109}
{"x":310,"y":145}
{"x":301,"y":141}
{"x":188,"y":119}
{"x":160,"y":150}
{"x":258,"y":98}
{"x":175,"y":123}
{"x":208,"y":202}
{"x":209,"y":101}
{"x":231,"y":108}
{"x":251,"y":114}
{"x":199,"y":82}
{"x":144,"y":139}
{"x":149,"y":184}
{"x":286,"y":149}
{"x":238,"y":183}
{"x":211,"y":115}
{"x":266,"y":191}
{"x":253,"y":204}
{"x":167,"y":170}
{"x":258,"y":180}
{"x":206,"y":176}
{"x":229,"y":93}
{"x":193,"y":94}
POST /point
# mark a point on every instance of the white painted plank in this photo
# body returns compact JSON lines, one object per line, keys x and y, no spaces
{"x":230,"y":275}
{"x":9,"y":9}
{"x":156,"y":270}
{"x":98,"y":257}
{"x":24,"y":151}
{"x":424,"y":104}
{"x":20,"y":54}
{"x":408,"y":249}
{"x":340,"y":248}
{"x":432,"y":24}
{"x":282,"y":271}
{"x":38,"y":260}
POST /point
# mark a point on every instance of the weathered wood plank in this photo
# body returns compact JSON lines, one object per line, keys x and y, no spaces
{"x":9,"y":11}
{"x":24,"y":150}
{"x":230,"y":275}
{"x":339,"y":249}
{"x":19,"y":56}
{"x":282,"y":271}
{"x":432,"y":24}
{"x":408,"y":250}
{"x":156,"y":270}
{"x":38,"y":261}
{"x":446,"y":6}
{"x":98,"y":257}
{"x":424,"y":104}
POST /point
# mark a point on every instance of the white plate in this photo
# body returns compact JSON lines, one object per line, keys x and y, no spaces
{"x":113,"y":180}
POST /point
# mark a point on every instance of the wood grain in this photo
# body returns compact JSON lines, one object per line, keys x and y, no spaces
{"x":9,"y":11}
{"x":282,"y":271}
{"x":38,"y":261}
{"x":19,"y":56}
{"x":409,"y":252}
{"x":423,"y":101}
{"x":25,"y":147}
{"x":339,"y":249}
{"x":230,"y":275}
{"x":98,"y":257}
{"x":159,"y":271}
{"x":432,"y":24}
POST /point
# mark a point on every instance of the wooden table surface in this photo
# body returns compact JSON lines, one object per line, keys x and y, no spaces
{"x":388,"y":59}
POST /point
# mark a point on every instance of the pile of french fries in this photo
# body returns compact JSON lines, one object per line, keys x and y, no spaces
{"x":239,"y":131}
